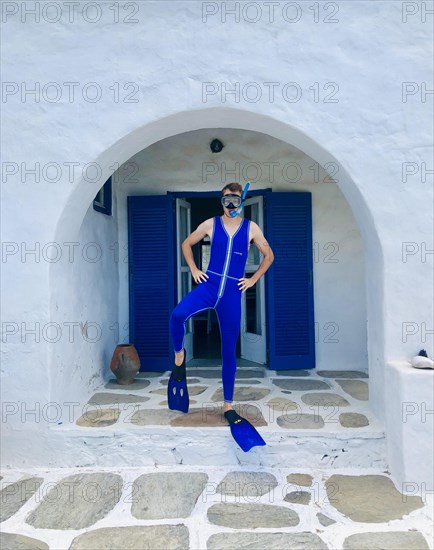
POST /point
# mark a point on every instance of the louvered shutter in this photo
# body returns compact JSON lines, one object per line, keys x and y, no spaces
{"x":151,"y":278}
{"x":290,"y":307}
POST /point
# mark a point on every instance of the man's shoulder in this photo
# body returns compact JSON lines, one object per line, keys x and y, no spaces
{"x":209,"y":222}
{"x":253,"y":226}
{"x":207,"y":226}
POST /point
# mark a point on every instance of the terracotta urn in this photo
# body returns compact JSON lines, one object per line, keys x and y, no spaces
{"x":125,"y":363}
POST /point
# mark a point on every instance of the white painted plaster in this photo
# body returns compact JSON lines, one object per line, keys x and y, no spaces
{"x":170,"y":53}
{"x":410,"y":426}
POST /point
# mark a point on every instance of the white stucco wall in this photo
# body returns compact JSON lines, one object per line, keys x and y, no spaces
{"x":169,"y":55}
{"x":82,"y":356}
{"x":410,"y":425}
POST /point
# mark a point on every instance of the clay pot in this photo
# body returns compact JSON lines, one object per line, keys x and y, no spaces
{"x":125,"y":363}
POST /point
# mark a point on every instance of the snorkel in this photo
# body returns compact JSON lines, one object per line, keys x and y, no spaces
{"x":234,"y":213}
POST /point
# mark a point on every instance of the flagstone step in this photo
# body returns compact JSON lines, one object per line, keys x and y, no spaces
{"x":202,"y":445}
{"x":320,"y":418}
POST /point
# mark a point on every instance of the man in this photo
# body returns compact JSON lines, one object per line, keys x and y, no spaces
{"x":220,"y":288}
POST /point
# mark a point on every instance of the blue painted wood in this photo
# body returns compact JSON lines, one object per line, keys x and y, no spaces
{"x":289,"y":285}
{"x":151,"y":253}
{"x":216,"y":194}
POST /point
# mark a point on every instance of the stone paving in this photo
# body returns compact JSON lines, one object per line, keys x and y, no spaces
{"x":320,"y":399}
{"x":210,"y":504}
{"x":210,"y":508}
{"x":314,"y":416}
{"x":305,"y":417}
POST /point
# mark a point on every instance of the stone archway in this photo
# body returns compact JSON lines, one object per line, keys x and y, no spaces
{"x":61,"y":278}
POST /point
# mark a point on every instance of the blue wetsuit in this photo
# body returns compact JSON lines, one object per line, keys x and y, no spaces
{"x":221,"y":293}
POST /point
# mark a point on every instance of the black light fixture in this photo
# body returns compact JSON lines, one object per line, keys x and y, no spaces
{"x":216,"y":146}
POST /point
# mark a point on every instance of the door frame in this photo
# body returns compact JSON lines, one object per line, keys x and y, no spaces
{"x":181,"y":203}
{"x":255,"y":345}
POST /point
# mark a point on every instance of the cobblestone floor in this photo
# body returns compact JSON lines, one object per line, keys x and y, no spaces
{"x":210,"y":508}
{"x":280,"y":400}
{"x":319,"y":414}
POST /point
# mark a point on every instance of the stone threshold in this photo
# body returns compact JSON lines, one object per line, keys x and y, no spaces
{"x":286,"y":401}
{"x":319,"y":417}
{"x":199,"y":446}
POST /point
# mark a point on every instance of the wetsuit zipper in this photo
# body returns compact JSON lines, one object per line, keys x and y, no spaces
{"x":226,"y":267}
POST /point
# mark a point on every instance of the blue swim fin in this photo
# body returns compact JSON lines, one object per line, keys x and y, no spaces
{"x":243,"y":432}
{"x":177,"y":391}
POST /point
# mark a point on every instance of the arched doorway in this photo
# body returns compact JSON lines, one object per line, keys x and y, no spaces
{"x":64,"y":282}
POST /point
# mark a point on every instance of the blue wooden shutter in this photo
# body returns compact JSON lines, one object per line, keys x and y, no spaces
{"x":290,"y":308}
{"x":151,"y":278}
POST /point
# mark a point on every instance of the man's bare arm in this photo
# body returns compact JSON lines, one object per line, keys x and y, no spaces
{"x":264,"y":248}
{"x":197,"y":235}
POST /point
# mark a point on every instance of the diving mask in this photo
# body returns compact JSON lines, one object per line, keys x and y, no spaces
{"x":231,"y":201}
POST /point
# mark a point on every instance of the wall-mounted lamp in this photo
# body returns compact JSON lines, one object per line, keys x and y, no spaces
{"x":216,"y":146}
